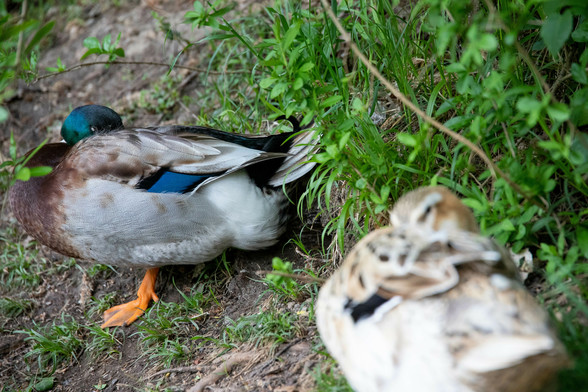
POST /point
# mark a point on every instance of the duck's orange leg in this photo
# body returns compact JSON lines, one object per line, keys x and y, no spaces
{"x":127,"y":313}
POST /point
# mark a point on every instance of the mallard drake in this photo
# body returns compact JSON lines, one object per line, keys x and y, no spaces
{"x":429,"y":304}
{"x":149,"y":197}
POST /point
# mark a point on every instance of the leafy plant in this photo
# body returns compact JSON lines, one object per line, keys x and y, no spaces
{"x":106,"y":47}
{"x":17,"y":59}
{"x":202,"y":16}
{"x":59,"y":68}
{"x":284,"y":282}
{"x":19,"y":170}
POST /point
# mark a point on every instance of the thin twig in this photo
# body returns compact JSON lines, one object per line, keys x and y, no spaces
{"x":494,"y":169}
{"x":223,"y":370}
{"x":122,"y":62}
{"x":301,"y":278}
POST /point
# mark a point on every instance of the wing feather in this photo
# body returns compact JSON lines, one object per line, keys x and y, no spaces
{"x":132,"y":155}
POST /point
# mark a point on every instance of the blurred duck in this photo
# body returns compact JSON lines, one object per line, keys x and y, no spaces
{"x":428,"y":304}
{"x":148,"y":197}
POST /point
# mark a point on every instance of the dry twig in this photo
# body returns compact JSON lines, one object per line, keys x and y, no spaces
{"x":223,"y":370}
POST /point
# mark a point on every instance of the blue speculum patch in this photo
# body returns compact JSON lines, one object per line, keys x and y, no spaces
{"x":170,"y":182}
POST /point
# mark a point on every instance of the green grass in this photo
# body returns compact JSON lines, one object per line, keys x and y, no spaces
{"x":273,"y":326}
{"x":13,"y":307}
{"x":104,"y":342}
{"x":53,"y":345}
{"x":330,"y":380}
{"x":166,"y":331}
{"x":21,"y":265}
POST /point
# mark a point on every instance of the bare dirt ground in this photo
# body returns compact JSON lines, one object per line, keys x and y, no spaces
{"x":37,"y":112}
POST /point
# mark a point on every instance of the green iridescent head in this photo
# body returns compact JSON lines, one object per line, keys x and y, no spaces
{"x":88,"y":120}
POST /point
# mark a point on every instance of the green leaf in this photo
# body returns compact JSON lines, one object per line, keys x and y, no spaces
{"x":278,"y":89}
{"x":579,"y":106}
{"x":582,"y":236}
{"x":332,"y":150}
{"x":91,"y":52}
{"x":307,"y":118}
{"x":361,"y":183}
{"x":198,"y":7}
{"x":39,"y":35}
{"x":532,"y":107}
{"x":380,"y":208}
{"x":331,"y":101}
{"x":579,"y":73}
{"x":298,"y":83}
{"x":478,"y":125}
{"x":385,"y":192}
{"x":265,"y":83}
{"x":221,"y":12}
{"x":3,"y":114}
{"x":92,"y":43}
{"x":584,"y":58}
{"x":290,"y":35}
{"x":306,"y":67}
{"x":12,"y":147}
{"x":581,"y":33}
{"x":445,"y":33}
{"x":357,"y":105}
{"x":344,"y":139}
{"x":60,"y":66}
{"x":501,"y":230}
{"x":475,"y":205}
{"x":44,"y":384}
{"x":558,"y":112}
{"x":39,"y":171}
{"x":407,"y":139}
{"x":487,"y":42}
{"x":106,"y":43}
{"x":23,"y":174}
{"x":6,"y":163}
{"x":455,"y":68}
{"x":556,"y":29}
{"x":117,"y":40}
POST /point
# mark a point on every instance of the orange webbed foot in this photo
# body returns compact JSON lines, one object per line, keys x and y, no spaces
{"x":125,"y":314}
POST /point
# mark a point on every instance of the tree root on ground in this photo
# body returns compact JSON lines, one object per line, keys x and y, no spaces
{"x":223,"y":370}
